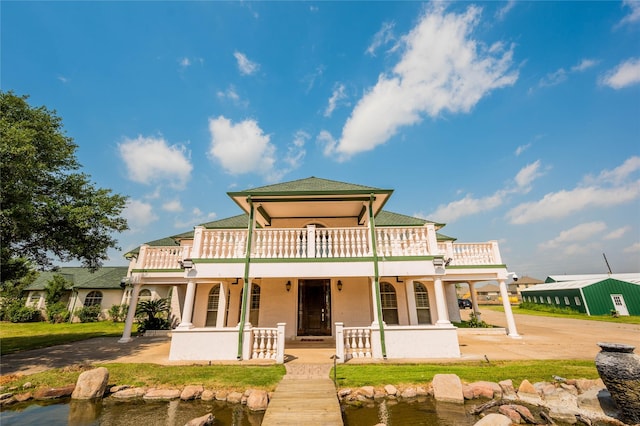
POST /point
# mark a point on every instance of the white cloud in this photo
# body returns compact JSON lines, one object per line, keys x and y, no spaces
{"x":310,"y":79}
{"x":504,"y":10}
{"x":442,"y":69}
{"x":197,"y":217}
{"x":296,"y":151}
{"x":150,"y":159}
{"x":634,"y":13}
{"x":242,"y":147}
{"x":633,"y":248}
{"x":625,"y":74}
{"x":245,"y":66}
{"x":337,"y":96}
{"x":611,"y":188}
{"x":381,"y":38}
{"x":172,"y":206}
{"x":232,"y":95}
{"x":617,"y":233}
{"x":185,"y":62}
{"x":522,"y":148}
{"x":527,"y":175}
{"x":585,"y":64}
{"x":582,"y":232}
{"x":553,"y":78}
{"x":63,"y":79}
{"x":138,"y":214}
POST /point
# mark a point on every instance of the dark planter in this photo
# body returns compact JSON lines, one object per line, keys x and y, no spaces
{"x":619,"y":369}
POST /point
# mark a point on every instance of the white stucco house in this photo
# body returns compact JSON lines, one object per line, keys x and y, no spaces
{"x":315,"y":259}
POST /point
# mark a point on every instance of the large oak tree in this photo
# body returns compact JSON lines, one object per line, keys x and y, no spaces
{"x":48,"y":207}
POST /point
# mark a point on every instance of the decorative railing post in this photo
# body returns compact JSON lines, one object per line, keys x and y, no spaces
{"x":280,"y":343}
{"x":432,"y":239}
{"x":196,"y":250}
{"x":497,"y":259}
{"x":340,"y":342}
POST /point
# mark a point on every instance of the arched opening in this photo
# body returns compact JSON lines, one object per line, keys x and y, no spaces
{"x":93,"y":298}
{"x":389,"y":303}
{"x":212,"y":306}
{"x":254,"y":305}
{"x":422,"y":303}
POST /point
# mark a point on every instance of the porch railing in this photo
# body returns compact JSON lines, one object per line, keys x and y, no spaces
{"x":353,"y":342}
{"x":268,"y":343}
{"x":328,"y":243}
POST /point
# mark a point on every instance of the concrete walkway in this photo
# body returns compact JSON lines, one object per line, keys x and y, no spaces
{"x":305,"y":396}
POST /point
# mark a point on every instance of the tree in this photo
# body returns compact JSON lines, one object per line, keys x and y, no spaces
{"x":47,"y":207}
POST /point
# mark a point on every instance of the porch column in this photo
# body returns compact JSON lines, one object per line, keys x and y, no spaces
{"x":222,"y":305}
{"x":411,"y":302}
{"x":474,"y":299}
{"x":131,"y":313}
{"x":511,"y":323}
{"x":374,"y":301}
{"x":187,"y":312}
{"x":441,"y":304}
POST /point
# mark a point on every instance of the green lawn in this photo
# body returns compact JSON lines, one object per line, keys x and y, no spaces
{"x":607,"y":318}
{"x":16,"y":337}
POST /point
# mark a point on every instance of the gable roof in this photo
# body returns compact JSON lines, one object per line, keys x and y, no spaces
{"x":312,"y":185}
{"x":622,"y":277}
{"x":577,"y":284}
{"x":107,"y":277}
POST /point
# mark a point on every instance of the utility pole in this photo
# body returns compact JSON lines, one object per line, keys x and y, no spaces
{"x":607,"y":262}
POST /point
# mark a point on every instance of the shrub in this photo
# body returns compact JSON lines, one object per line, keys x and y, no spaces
{"x":157,"y":312}
{"x":118,"y":313}
{"x":57,"y":313}
{"x":23,"y":313}
{"x":548,"y":308}
{"x":88,"y":313}
{"x":475,"y":322}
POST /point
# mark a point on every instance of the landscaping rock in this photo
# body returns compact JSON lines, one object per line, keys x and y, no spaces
{"x":221,"y":396}
{"x":129,"y":393}
{"x":208,"y":395}
{"x":91,"y":384}
{"x":409,"y":393}
{"x":22,"y":397}
{"x":205,"y":420}
{"x":344,"y":392}
{"x":447,"y":388}
{"x":234,"y":397}
{"x":258,"y":400}
{"x":367,"y":391}
{"x":527,"y":393}
{"x":53,"y":393}
{"x":161,"y":394}
{"x":391,"y":390}
{"x":511,"y":413}
{"x":191,"y":392}
{"x":494,"y":419}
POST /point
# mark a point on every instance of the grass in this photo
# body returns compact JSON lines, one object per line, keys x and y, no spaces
{"x":495,"y":371}
{"x":229,"y":377}
{"x":607,"y":318}
{"x":16,"y":337}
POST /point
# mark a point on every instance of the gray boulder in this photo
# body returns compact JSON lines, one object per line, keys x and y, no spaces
{"x":91,"y":384}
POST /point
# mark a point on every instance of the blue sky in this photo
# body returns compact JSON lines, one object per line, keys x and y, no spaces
{"x":509,"y":121}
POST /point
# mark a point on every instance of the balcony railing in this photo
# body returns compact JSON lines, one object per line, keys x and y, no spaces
{"x":314,"y":243}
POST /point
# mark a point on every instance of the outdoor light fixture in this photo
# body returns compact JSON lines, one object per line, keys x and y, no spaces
{"x":186,"y":263}
{"x":288,"y":285}
{"x":438,"y":263}
{"x":448,"y":262}
{"x":339,"y":285}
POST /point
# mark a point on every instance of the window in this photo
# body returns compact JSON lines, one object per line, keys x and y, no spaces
{"x":535,"y":299}
{"x":557,"y":300}
{"x":212,"y":306}
{"x":566,"y":301}
{"x":576,"y":299}
{"x":389,"y":303}
{"x":254,"y":306}
{"x":34,"y":300}
{"x":145,"y":294}
{"x":549,"y":300}
{"x":93,"y":298}
{"x":422,"y":303}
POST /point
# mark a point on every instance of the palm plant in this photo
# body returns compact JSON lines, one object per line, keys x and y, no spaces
{"x":157,"y":311}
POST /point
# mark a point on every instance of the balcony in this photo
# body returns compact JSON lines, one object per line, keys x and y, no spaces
{"x":319,"y":243}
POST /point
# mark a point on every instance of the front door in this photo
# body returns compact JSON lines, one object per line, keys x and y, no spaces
{"x":314,"y":308}
{"x":619,"y":305}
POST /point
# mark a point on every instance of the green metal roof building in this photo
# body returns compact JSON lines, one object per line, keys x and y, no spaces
{"x":590,"y":294}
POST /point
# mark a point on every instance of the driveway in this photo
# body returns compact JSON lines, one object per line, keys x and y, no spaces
{"x":541,"y":338}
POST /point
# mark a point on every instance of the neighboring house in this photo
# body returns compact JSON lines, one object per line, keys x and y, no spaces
{"x":104,"y":287}
{"x":522,"y":283}
{"x":315,"y":259}
{"x":488,"y":293}
{"x":591,"y":294}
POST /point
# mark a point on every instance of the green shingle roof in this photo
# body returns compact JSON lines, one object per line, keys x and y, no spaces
{"x":104,"y":278}
{"x":311,"y":185}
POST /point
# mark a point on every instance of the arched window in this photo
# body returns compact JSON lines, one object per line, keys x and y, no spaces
{"x":422,"y":303}
{"x":212,"y":306}
{"x":93,"y":298}
{"x":254,"y":305}
{"x":389,"y":303}
{"x":145,"y":294}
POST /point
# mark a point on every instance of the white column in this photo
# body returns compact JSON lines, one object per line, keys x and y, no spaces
{"x":280,"y":343}
{"x":187,"y":311}
{"x":474,"y":299}
{"x":374,"y":302}
{"x":131,"y":313}
{"x":248,"y":306}
{"x":222,"y":305}
{"x":511,"y":323}
{"x":441,"y":303}
{"x":452,"y":302}
{"x":411,"y":302}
